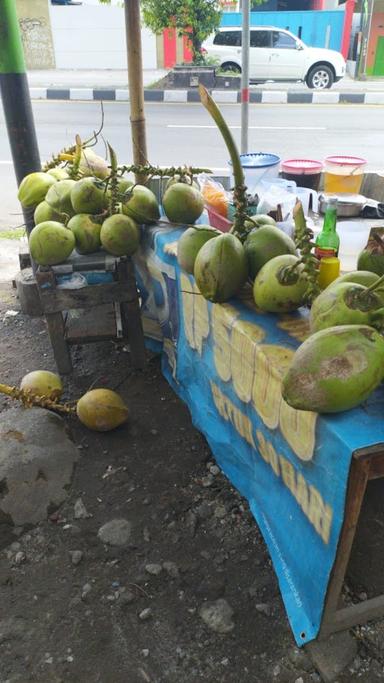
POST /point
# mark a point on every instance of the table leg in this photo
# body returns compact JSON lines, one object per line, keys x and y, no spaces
{"x":334,"y":620}
{"x":61,"y":352}
{"x":130,"y":314}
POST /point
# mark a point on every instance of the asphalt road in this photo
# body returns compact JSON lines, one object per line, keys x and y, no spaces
{"x":180,"y":134}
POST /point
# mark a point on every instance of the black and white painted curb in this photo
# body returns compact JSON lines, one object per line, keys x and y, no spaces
{"x":221,"y":96}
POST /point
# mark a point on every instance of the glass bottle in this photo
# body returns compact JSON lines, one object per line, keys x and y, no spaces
{"x":328,"y":241}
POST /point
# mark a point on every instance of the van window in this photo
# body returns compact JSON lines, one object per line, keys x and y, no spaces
{"x":260,"y":38}
{"x":229,"y":38}
{"x":283,"y":40}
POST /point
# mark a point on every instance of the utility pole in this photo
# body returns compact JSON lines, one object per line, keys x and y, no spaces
{"x":16,"y":100}
{"x":135,"y":78}
{"x":245,"y":76}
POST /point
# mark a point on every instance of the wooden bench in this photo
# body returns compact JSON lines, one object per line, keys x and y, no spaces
{"x":109,"y":310}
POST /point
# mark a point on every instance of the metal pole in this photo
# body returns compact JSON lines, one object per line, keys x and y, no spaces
{"x":16,"y":100}
{"x":135,"y":78}
{"x":368,"y":35}
{"x":245,"y":77}
{"x":365,"y":27}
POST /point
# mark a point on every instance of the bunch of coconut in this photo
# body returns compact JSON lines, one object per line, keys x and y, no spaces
{"x":222,"y":263}
{"x":98,"y":409}
{"x":75,"y":214}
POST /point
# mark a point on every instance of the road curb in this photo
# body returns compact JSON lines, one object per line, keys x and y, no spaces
{"x":221,"y":96}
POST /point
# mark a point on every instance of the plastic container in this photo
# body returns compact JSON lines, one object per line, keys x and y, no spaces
{"x":343,"y":174}
{"x":307,"y":197}
{"x":305,"y":172}
{"x":353,"y":238}
{"x":217,"y":220}
{"x":258,"y":166}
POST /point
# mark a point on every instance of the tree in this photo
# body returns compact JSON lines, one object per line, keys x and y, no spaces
{"x":196,"y":19}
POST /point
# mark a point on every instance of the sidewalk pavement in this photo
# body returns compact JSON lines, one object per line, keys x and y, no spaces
{"x":113,"y":85}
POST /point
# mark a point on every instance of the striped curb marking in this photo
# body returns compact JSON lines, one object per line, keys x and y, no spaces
{"x":221,"y":96}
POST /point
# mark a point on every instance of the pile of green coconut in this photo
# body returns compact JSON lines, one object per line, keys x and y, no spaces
{"x":86,"y":203}
{"x":342,"y":361}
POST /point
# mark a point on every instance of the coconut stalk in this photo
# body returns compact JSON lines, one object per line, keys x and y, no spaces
{"x":156,"y":171}
{"x":239,"y":192}
{"x":29,"y":399}
{"x":67,"y":153}
{"x":113,"y":183}
{"x":74,"y":170}
{"x":304,"y":242}
{"x":372,"y":287}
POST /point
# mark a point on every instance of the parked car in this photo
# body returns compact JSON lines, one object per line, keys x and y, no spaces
{"x":277,"y":55}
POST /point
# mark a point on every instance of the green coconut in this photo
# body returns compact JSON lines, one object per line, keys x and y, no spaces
{"x":182,"y":203}
{"x":141,"y":205}
{"x":275,"y":295}
{"x":263,"y":244}
{"x":343,"y":304}
{"x":120,"y":235}
{"x":87,"y":233}
{"x":190,"y":244}
{"x":221,"y":268}
{"x":44,"y":212}
{"x":91,"y":165}
{"x":335,"y":369}
{"x":58,"y":173}
{"x":33,"y":188}
{"x":258,"y":221}
{"x":51,"y":243}
{"x":88,"y":195}
{"x":372,"y":256}
{"x":124,"y":184}
{"x":371,"y":260}
{"x":59,"y":196}
{"x":360,"y":277}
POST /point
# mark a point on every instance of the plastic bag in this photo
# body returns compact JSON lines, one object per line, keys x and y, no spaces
{"x":214,"y":194}
{"x":71,"y":281}
{"x":271,"y":195}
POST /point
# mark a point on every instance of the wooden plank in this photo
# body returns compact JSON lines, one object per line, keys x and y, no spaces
{"x":24,"y":257}
{"x":130,"y":314}
{"x":369,"y":452}
{"x":358,"y":614}
{"x":55,"y":300}
{"x":55,"y":324}
{"x":60,"y":347}
{"x":376,"y":468}
{"x":358,"y":479}
{"x":94,"y":324}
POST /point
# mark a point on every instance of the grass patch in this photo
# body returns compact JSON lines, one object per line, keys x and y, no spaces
{"x":15,"y":234}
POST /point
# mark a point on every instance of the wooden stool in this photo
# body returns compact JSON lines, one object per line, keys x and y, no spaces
{"x":111,"y":309}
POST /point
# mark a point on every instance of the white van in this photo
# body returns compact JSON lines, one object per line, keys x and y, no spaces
{"x":276,"y":55}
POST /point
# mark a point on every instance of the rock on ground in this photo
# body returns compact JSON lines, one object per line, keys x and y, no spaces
{"x":36,"y":464}
{"x":217,"y":616}
{"x":116,"y":532}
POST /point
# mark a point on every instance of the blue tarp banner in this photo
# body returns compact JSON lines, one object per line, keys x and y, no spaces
{"x":226,"y":361}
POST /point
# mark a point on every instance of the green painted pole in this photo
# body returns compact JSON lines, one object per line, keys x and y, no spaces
{"x":16,"y":100}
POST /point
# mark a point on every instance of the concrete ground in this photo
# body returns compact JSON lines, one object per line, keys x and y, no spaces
{"x":119,"y":79}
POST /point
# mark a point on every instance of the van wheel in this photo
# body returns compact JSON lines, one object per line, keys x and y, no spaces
{"x":320,"y":77}
{"x":230,"y":66}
